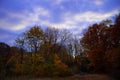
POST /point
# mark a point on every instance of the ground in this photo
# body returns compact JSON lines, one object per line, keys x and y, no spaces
{"x":75,"y":77}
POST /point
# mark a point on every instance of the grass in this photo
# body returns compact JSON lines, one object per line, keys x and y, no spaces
{"x":75,"y":77}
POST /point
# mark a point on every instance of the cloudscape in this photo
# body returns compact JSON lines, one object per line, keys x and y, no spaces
{"x":17,"y":16}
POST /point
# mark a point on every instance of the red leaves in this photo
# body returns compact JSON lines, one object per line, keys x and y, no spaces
{"x":98,"y":42}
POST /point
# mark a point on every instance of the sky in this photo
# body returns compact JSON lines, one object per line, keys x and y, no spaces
{"x":17,"y":16}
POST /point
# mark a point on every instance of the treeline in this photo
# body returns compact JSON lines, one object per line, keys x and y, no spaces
{"x":102,"y":44}
{"x":54,"y":52}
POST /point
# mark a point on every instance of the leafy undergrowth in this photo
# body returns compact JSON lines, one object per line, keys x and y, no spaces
{"x":75,"y":77}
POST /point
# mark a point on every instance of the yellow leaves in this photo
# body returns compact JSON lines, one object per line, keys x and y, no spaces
{"x":11,"y":60}
{"x":37,"y":59}
{"x":57,"y":59}
{"x":59,"y":65}
{"x":35,"y":32}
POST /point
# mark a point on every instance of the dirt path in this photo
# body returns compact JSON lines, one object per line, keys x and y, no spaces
{"x":75,"y":77}
{"x":89,"y":77}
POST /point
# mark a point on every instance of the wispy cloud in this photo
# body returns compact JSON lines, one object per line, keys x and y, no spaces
{"x":17,"y":16}
{"x":25,"y":19}
{"x":80,"y":21}
{"x":68,"y":20}
{"x":58,"y":2}
{"x":89,"y":16}
{"x":98,"y":2}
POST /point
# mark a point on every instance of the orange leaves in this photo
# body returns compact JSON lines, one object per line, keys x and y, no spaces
{"x":35,"y":32}
{"x":102,"y":45}
{"x":58,"y":63}
{"x":92,"y":38}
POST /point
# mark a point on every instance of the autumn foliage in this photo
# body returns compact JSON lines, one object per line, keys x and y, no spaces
{"x":101,"y":43}
{"x":52,"y":52}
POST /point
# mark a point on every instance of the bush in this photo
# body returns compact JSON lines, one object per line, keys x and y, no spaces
{"x":57,"y":68}
{"x":36,"y":65}
{"x":113,"y":59}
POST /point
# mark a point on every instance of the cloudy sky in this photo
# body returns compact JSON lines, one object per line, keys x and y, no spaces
{"x":17,"y":16}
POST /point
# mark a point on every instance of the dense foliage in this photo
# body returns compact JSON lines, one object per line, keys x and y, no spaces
{"x":54,"y":52}
{"x":102,"y":44}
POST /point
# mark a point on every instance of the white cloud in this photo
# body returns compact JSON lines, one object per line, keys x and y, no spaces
{"x":57,"y":2}
{"x":71,"y":21}
{"x":95,"y":2}
{"x":89,"y":16}
{"x":26,"y":19}
{"x":98,"y":2}
{"x":68,"y":20}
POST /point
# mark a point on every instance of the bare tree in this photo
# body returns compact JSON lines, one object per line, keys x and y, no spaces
{"x":20,"y":42}
{"x":51,"y":35}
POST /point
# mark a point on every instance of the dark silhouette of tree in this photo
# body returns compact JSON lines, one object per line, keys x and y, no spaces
{"x":20,"y":43}
{"x":5,"y":54}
